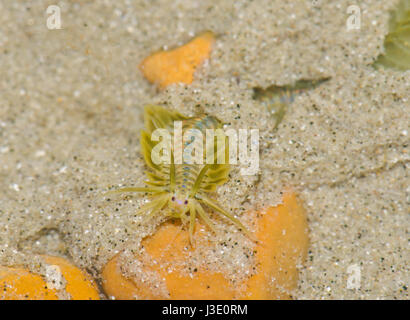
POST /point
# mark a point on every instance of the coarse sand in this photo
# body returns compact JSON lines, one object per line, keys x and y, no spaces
{"x":71,"y":103}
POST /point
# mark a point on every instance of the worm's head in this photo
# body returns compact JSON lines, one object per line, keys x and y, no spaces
{"x":179,"y":205}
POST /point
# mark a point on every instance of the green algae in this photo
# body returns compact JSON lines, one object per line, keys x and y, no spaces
{"x":277,"y":99}
{"x":397,"y":41}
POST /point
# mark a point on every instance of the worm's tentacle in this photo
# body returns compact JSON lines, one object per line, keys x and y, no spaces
{"x":135,"y":189}
{"x":154,"y":206}
{"x":204,"y":216}
{"x":192,"y":216}
{"x":210,"y":203}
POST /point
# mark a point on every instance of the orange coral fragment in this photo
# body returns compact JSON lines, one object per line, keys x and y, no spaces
{"x":282,"y":245}
{"x":178,"y":65}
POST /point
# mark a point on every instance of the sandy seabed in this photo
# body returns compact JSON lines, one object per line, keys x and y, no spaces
{"x":71,"y":104}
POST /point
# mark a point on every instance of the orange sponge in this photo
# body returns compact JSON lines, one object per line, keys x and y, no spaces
{"x":79,"y":284}
{"x":21,"y":284}
{"x":282,"y":245}
{"x":204,"y":285}
{"x":178,"y":65}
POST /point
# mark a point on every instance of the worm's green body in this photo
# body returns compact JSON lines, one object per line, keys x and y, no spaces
{"x":181,"y":190}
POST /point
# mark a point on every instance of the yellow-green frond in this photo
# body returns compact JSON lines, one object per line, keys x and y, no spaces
{"x":156,"y":117}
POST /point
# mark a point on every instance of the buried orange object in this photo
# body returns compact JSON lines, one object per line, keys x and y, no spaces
{"x":281,"y":247}
{"x":178,"y":65}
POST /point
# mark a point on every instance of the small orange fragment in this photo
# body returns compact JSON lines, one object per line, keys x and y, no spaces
{"x":282,"y":245}
{"x":178,"y":65}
